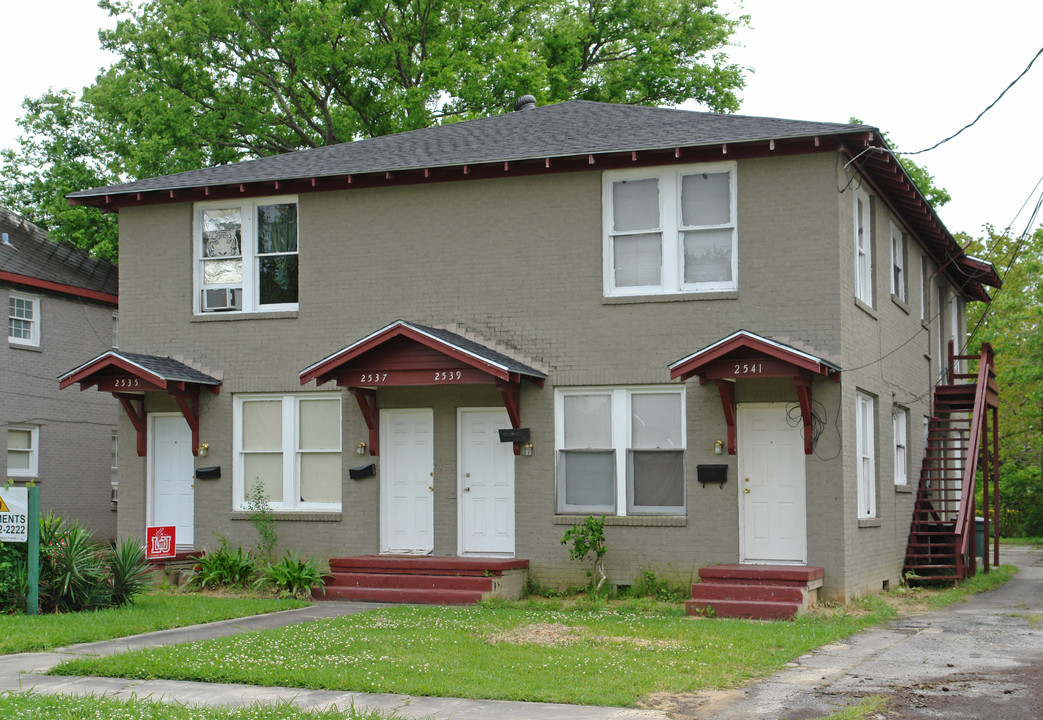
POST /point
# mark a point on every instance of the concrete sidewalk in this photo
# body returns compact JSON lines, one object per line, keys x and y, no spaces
{"x":972,"y":648}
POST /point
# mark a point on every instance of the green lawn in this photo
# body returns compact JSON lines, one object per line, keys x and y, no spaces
{"x":154,"y":611}
{"x":33,"y":706}
{"x":608,"y":655}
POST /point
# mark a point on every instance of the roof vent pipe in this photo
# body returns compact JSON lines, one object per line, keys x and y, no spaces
{"x":525,"y":102}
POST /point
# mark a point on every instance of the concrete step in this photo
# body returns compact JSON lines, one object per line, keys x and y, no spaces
{"x":758,"y":592}
{"x":418,"y":596}
{"x":411,"y":581}
{"x":751,"y":609}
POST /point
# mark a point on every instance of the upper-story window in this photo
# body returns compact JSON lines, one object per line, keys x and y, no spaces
{"x":246,"y":255}
{"x":23,"y":319}
{"x":670,"y":230}
{"x":863,"y":249}
{"x":898,"y":278}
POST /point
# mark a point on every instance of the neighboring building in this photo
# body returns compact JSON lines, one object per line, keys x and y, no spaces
{"x":61,"y":304}
{"x":575,"y":271}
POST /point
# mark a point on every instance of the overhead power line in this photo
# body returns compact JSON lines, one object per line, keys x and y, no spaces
{"x":991,"y":105}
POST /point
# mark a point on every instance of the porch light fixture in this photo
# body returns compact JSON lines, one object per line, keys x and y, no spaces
{"x":204,"y":449}
{"x":527,"y":449}
{"x":360,"y":449}
{"x":718,"y":447}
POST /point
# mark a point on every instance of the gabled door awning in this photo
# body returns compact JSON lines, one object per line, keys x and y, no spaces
{"x":128,"y":376}
{"x":747,"y":356}
{"x":406,"y":353}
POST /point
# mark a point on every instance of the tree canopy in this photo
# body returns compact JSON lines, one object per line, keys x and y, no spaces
{"x":205,"y":82}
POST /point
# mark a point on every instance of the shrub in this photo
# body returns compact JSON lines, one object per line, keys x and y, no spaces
{"x":589,"y":538}
{"x":650,"y":586}
{"x":129,"y":570}
{"x":224,"y":567}
{"x":263,"y":520}
{"x":292,"y":576}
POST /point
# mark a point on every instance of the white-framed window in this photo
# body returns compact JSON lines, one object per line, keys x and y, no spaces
{"x":900,"y":420}
{"x":670,"y":230}
{"x":23,"y":319}
{"x":866,"y":457}
{"x":115,"y":329}
{"x":925,"y":289}
{"x":23,"y":450}
{"x":898,"y":279}
{"x":620,"y":451}
{"x":114,"y":470}
{"x":246,"y":255}
{"x":863,"y":248}
{"x":292,"y":444}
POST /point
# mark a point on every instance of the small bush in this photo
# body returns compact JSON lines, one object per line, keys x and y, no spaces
{"x":292,"y":576}
{"x":589,"y":538}
{"x":650,"y":586}
{"x":263,"y":520}
{"x":224,"y":567}
{"x":130,"y":571}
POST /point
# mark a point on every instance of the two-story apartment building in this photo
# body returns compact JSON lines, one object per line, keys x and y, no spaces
{"x":61,"y":305}
{"x":719,"y":332}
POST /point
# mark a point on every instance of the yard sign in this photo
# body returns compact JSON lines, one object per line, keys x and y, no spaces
{"x":14,"y":514}
{"x":159,"y":542}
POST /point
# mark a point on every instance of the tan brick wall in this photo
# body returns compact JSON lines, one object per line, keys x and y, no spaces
{"x":519,"y":261}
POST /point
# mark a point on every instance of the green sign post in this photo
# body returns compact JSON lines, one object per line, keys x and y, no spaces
{"x":33,"y":599}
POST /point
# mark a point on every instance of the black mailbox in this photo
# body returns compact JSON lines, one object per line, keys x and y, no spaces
{"x":514,"y":435}
{"x":363,"y":471}
{"x":712,"y":474}
{"x":208,"y":473}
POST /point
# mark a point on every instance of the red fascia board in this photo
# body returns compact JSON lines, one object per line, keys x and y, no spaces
{"x":493,"y":169}
{"x":745,"y":343}
{"x":108,"y":361}
{"x":335,"y":365}
{"x":60,"y":287}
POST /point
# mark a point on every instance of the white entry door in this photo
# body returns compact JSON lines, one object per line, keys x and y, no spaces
{"x":486,"y":489}
{"x":772,"y":486}
{"x":171,"y":496}
{"x":407,"y":482}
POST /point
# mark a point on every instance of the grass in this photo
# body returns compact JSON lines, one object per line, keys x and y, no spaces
{"x":867,"y":707}
{"x":547,"y":652}
{"x":153,"y":611}
{"x":1035,"y":541}
{"x":33,"y":706}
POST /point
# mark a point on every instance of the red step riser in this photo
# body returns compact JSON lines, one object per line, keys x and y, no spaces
{"x":743,"y":609}
{"x":394,"y":595}
{"x":734,"y":591}
{"x":429,"y":582}
{"x":427,"y":565}
{"x":761,"y":574}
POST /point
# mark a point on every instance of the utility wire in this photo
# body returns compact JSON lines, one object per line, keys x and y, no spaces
{"x":991,"y":105}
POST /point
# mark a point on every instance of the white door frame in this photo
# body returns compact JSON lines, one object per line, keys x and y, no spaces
{"x":741,"y":462}
{"x":150,"y":472}
{"x":386,"y":451}
{"x":461,"y":487}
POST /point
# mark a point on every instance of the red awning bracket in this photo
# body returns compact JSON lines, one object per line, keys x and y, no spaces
{"x":747,"y":356}
{"x":135,"y":408}
{"x":367,"y":400}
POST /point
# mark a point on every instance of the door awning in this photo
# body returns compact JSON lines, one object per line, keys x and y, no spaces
{"x":128,"y":376}
{"x":405,"y":353}
{"x":747,"y":356}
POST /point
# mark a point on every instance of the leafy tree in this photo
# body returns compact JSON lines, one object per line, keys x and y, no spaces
{"x":1014,"y":326}
{"x":206,"y":82}
{"x":62,"y":149}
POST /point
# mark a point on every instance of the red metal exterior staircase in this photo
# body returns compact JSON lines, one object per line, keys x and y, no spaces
{"x":961,"y":441}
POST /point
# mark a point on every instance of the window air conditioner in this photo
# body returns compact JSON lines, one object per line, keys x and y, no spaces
{"x":222,"y":299}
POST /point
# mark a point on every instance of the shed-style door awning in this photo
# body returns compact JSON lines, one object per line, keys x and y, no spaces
{"x":746,"y":356}
{"x":405,"y":353}
{"x":128,"y":376}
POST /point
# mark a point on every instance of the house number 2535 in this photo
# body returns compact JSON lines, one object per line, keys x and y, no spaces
{"x":126,"y":383}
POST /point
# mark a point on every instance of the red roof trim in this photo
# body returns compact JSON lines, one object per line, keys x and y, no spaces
{"x":340,"y":362}
{"x":86,"y":373}
{"x":60,"y":287}
{"x":742,"y":340}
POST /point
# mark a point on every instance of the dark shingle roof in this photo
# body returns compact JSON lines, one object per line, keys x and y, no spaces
{"x":30,"y":254}
{"x":477,"y":349}
{"x":570,"y":128}
{"x":164,"y":367}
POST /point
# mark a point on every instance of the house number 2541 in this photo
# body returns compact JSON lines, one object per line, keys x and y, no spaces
{"x":749,"y":368}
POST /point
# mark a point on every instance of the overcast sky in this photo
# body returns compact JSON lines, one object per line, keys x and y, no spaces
{"x":919,"y":69}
